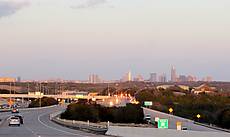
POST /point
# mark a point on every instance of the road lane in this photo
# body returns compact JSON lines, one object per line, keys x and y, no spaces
{"x":37,"y":124}
{"x":174,"y":119}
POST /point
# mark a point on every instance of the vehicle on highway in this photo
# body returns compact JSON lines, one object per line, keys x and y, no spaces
{"x":147,"y":118}
{"x":14,"y":110}
{"x":14,"y":121}
{"x":20,"y":118}
{"x":184,"y":128}
{"x":5,"y":106}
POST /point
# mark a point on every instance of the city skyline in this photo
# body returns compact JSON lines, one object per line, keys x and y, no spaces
{"x":173,"y":76}
{"x":70,"y":39}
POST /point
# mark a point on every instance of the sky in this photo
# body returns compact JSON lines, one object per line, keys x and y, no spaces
{"x":70,"y":39}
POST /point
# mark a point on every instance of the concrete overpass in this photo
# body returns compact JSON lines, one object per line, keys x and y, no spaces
{"x":53,"y":96}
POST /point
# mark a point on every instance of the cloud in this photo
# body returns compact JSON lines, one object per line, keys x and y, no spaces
{"x":9,"y":7}
{"x":89,"y":4}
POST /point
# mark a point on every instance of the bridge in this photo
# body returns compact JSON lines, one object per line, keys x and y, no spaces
{"x":53,"y":96}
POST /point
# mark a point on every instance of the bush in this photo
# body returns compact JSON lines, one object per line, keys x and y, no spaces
{"x":96,"y":113}
{"x":224,"y":118}
{"x":82,"y":112}
{"x":45,"y":101}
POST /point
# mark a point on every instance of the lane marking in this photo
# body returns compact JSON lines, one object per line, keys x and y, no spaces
{"x":56,"y":128}
{"x":31,"y":130}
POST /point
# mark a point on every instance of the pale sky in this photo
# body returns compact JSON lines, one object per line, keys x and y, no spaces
{"x":69,"y":39}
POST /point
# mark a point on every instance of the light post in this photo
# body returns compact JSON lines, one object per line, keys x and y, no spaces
{"x":40,"y":101}
{"x":10,"y":102}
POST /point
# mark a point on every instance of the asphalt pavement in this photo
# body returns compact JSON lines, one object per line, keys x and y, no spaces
{"x":189,"y":124}
{"x":37,"y":124}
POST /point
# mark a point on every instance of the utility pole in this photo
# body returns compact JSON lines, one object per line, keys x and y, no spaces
{"x":108,"y":90}
{"x":40,"y":102}
{"x":10,"y":96}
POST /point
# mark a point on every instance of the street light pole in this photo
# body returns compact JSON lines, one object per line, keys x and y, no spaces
{"x":10,"y":95}
{"x":40,"y":96}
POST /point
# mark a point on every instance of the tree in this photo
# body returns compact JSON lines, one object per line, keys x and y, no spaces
{"x":144,"y":96}
{"x":224,"y":118}
{"x":45,"y":101}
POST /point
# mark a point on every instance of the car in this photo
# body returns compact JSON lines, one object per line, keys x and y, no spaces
{"x":20,"y":118}
{"x":184,"y":128}
{"x":14,"y":121}
{"x":14,"y":110}
{"x":147,"y":118}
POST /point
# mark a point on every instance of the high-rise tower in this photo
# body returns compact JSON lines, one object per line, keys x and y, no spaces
{"x":173,"y":74}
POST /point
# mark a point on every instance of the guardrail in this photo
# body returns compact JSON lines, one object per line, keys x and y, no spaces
{"x":212,"y":126}
{"x":80,"y":125}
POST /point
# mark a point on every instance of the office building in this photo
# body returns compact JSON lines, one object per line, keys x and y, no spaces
{"x":127,"y":77}
{"x":94,"y":78}
{"x":162,"y":78}
{"x":173,"y":75}
{"x":153,"y":77}
{"x":138,"y":78}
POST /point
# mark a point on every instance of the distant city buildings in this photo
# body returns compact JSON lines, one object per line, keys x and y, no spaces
{"x":207,"y":79}
{"x":191,"y":78}
{"x":127,"y":77}
{"x":184,"y":78}
{"x":153,"y":77}
{"x":162,"y":78}
{"x":138,"y":78}
{"x":19,"y":79}
{"x":173,"y":74}
{"x":94,"y":78}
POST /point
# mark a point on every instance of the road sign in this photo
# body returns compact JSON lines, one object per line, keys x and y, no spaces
{"x":148,"y":103}
{"x":178,"y":125}
{"x":198,"y":116}
{"x":157,"y":119}
{"x":170,"y":110}
{"x":163,"y":123}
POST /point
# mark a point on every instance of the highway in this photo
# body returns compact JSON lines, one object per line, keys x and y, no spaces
{"x":37,"y":124}
{"x":174,"y":119}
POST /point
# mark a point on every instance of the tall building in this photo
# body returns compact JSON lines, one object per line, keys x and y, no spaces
{"x":138,"y":78}
{"x":183,"y":78}
{"x":19,"y":79}
{"x":162,"y":78}
{"x":127,"y":77}
{"x":173,"y":74}
{"x":93,"y":78}
{"x":207,"y":79}
{"x":153,"y":77}
{"x":191,"y":78}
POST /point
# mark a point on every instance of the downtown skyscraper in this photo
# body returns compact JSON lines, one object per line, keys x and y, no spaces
{"x":173,"y":74}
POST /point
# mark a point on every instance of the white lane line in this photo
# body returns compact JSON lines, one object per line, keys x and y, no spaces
{"x":31,"y":130}
{"x":56,"y":128}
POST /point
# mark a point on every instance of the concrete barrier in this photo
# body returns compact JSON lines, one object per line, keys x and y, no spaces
{"x":80,"y":125}
{"x":154,"y":132}
{"x":213,"y":127}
